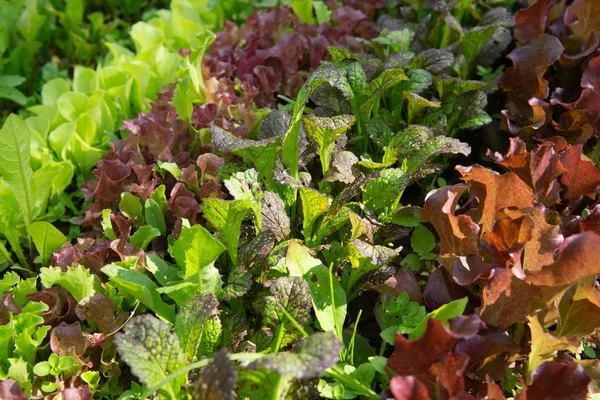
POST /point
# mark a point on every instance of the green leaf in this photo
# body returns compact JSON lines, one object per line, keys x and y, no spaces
{"x":377,"y":87}
{"x":11,"y":80}
{"x":182,"y":100}
{"x":15,"y":166}
{"x":143,"y":236}
{"x":324,"y":131}
{"x":472,"y":43}
{"x":416,"y":104}
{"x":189,"y":322}
{"x":227,"y":217}
{"x":290,"y":297}
{"x":328,"y":297}
{"x":159,"y":197}
{"x":195,"y":253}
{"x":326,"y":73}
{"x":314,"y":205}
{"x":443,"y":314}
{"x":46,"y":239}
{"x":131,"y":206}
{"x":262,"y":154}
{"x":78,"y":281}
{"x":383,"y":194}
{"x":164,"y":272}
{"x":139,"y":286}
{"x":106,"y":223}
{"x":12,"y":94}
{"x":245,"y":186}
{"x":153,"y":352}
{"x":170,"y":167}
{"x":422,"y":240}
{"x":154,"y":216}
{"x":322,"y":12}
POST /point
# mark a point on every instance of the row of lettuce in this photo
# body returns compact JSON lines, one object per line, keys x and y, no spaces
{"x":258,"y":216}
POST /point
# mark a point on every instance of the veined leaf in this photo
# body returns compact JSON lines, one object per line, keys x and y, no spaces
{"x":189,"y":322}
{"x":154,"y":216}
{"x":314,"y":205}
{"x":328,"y":297}
{"x":324,"y":132}
{"x":78,"y":281}
{"x":15,"y":165}
{"x":227,"y":217}
{"x":46,"y":239}
{"x":141,"y":287}
{"x":327,"y":73}
{"x":152,"y":351}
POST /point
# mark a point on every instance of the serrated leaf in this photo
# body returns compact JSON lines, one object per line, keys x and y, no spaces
{"x":152,"y":351}
{"x":189,"y":322}
{"x":46,"y":239}
{"x":376,"y":87}
{"x":324,"y":131}
{"x":471,"y":44}
{"x":78,"y":281}
{"x":416,"y":104}
{"x":260,"y":153}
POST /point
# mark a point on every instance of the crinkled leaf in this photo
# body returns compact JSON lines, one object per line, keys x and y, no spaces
{"x":274,"y":217}
{"x":189,"y":322}
{"x":378,"y":86}
{"x":78,"y":281}
{"x":383,"y":194}
{"x":152,"y":351}
{"x":217,"y":381}
{"x":326,"y":73}
{"x":544,"y":345}
{"x":319,"y":352}
{"x":314,"y":205}
{"x":324,"y":131}
{"x":290,"y":295}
